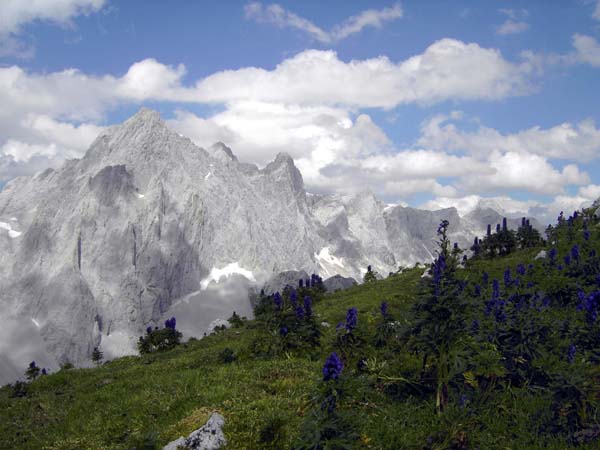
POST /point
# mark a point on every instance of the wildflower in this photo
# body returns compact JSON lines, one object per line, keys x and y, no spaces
{"x":299,"y":311}
{"x":294,"y":298}
{"x":283,"y":331}
{"x":575,"y":253}
{"x":489,"y":230}
{"x":571,"y":353}
{"x":351,"y":319}
{"x":170,"y":323}
{"x":333,"y":367}
{"x":308,"y":306}
{"x":504,"y":224}
{"x":475,"y":326}
{"x":586,"y":234}
{"x":301,"y":283}
{"x":307,"y":282}
{"x":477,"y":290}
{"x":495,"y":289}
{"x":521,"y":269}
{"x":567,"y":260}
{"x":443,"y":226}
{"x":277,"y":300}
{"x":149,"y":330}
{"x":44,"y":371}
{"x":384,"y":309}
{"x":497,"y":228}
{"x":507,"y":277}
{"x":553,"y":253}
{"x":438,"y":269}
{"x":485,"y":278}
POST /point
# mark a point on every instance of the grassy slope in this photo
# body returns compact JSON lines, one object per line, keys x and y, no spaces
{"x":171,"y":394}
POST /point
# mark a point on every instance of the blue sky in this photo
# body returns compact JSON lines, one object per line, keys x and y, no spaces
{"x":427,"y":103}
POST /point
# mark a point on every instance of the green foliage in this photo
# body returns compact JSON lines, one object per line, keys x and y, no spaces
{"x":439,"y":319}
{"x":32,"y":371}
{"x":236,"y":321}
{"x":159,"y":340}
{"x":227,"y":355}
{"x":370,"y":275}
{"x":97,"y":356}
{"x":18,"y":389}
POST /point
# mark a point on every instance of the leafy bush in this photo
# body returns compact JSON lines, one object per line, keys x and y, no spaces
{"x":160,"y":339}
{"x":227,"y":355}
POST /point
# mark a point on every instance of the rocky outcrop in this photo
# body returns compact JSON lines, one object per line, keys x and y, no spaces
{"x":209,"y":437}
{"x":338,"y":282}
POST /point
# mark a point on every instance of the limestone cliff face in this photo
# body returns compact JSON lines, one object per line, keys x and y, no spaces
{"x":96,"y":250}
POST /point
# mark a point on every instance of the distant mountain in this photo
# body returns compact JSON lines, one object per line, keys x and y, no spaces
{"x":95,"y":251}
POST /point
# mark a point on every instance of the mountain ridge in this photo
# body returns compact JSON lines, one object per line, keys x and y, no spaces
{"x":107,"y":243}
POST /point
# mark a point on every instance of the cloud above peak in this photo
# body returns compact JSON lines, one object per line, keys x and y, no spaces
{"x":276,"y":15}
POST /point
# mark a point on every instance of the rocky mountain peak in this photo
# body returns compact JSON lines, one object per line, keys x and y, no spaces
{"x":283,"y":165}
{"x":221,"y":152}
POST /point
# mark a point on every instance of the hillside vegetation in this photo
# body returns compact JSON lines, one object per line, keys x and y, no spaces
{"x":503,"y":353}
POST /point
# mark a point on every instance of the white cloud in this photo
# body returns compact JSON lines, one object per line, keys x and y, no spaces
{"x":448,"y":69}
{"x":520,"y":171}
{"x":545,"y":212}
{"x":514,"y":24}
{"x":596,"y":14}
{"x":464,"y":205}
{"x":407,"y":188}
{"x":577,"y":142}
{"x":276,"y":15}
{"x":16,"y":13}
{"x":510,"y":26}
{"x":587,"y":50}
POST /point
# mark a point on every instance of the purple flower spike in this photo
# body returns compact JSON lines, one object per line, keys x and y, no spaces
{"x":333,"y":367}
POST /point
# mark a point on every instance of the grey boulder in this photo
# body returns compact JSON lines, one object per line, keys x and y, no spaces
{"x":208,"y":437}
{"x":338,"y":282}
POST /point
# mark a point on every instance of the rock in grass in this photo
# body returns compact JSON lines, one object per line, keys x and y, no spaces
{"x":541,"y":255}
{"x":208,"y":437}
{"x":338,"y":282}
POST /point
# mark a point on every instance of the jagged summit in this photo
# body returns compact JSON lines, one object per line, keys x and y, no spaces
{"x":220,"y":151}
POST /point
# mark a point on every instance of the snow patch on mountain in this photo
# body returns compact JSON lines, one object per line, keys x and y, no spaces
{"x":217,"y":274}
{"x":12,"y":233}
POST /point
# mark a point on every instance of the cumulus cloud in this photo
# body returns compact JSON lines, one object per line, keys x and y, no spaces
{"x":277,"y":15}
{"x":513,"y":23}
{"x":520,"y":171}
{"x":577,"y":142}
{"x":447,"y":69}
{"x":545,"y":212}
{"x":587,"y":50}
{"x":14,"y":14}
{"x":510,"y":26}
{"x":596,"y":14}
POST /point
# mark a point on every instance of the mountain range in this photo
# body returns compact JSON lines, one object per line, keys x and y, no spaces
{"x":95,"y":251}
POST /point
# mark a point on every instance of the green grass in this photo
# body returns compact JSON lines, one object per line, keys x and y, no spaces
{"x":166,"y":395}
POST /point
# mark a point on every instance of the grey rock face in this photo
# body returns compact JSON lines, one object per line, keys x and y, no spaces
{"x":288,"y":278}
{"x":209,"y":437}
{"x":338,"y":282}
{"x":99,"y":249}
